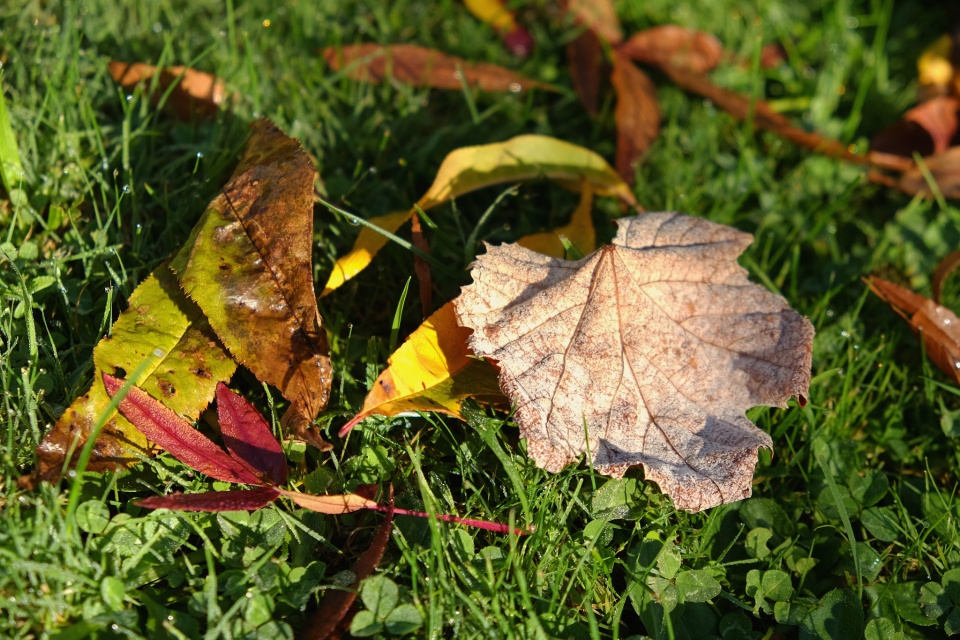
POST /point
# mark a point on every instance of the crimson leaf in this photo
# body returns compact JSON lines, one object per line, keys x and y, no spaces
{"x":213,"y":500}
{"x":247,"y":436}
{"x":171,"y":432}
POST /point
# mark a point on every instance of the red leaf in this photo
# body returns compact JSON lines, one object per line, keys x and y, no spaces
{"x":213,"y":500}
{"x":926,"y":129}
{"x":247,"y":436}
{"x":171,"y":432}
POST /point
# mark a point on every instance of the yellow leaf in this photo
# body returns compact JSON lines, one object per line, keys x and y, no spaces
{"x":579,"y":231}
{"x":467,"y":169}
{"x":333,"y":505}
{"x":432,"y":371}
{"x":492,"y":12}
{"x":366,"y":246}
{"x":934,"y":66}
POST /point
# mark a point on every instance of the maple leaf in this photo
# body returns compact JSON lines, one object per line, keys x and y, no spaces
{"x":647,"y":352}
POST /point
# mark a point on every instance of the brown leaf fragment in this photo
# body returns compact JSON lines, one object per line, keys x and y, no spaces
{"x":332,"y":615}
{"x":637,"y":114}
{"x":423,"y":67}
{"x":944,"y":169}
{"x":420,"y":266}
{"x":195,"y":93}
{"x":938,"y":326}
{"x":588,"y":68}
{"x":598,"y":16}
{"x":926,"y":129}
{"x":695,"y":51}
{"x":646,"y":352}
{"x":247,"y":265}
{"x":741,"y":107}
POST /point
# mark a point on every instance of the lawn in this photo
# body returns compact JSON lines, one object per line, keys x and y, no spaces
{"x":853,"y":524}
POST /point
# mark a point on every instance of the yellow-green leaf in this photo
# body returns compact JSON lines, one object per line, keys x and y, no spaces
{"x":184,"y":363}
{"x":432,"y":371}
{"x":526,"y":157}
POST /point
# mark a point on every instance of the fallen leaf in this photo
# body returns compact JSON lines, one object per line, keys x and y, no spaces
{"x":772,"y":55}
{"x":938,"y":326}
{"x":184,"y":361}
{"x":432,"y":371}
{"x":247,"y":264}
{"x":423,"y":67}
{"x":499,"y":16}
{"x":248,"y":438}
{"x":194,"y":93}
{"x":579,"y":231}
{"x":587,"y":66}
{"x":637,"y":114}
{"x":649,"y":351}
{"x":163,"y":426}
{"x":420,"y":266}
{"x":467,"y":169}
{"x":213,"y":501}
{"x":926,"y":129}
{"x":741,"y":107}
{"x":331,"y":505}
{"x":333,"y":609}
{"x":935,"y":68}
{"x":695,"y":51}
{"x":598,"y":16}
{"x":944,"y":169}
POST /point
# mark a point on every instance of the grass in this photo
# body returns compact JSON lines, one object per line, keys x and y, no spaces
{"x":854,"y":520}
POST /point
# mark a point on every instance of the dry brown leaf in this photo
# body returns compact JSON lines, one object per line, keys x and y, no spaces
{"x":740,"y":107}
{"x":652,"y":347}
{"x":599,"y":16}
{"x":637,"y":114}
{"x":944,"y":168}
{"x":587,"y":68}
{"x":423,"y":67}
{"x":196,"y":93}
{"x":696,"y":51}
{"x":926,"y":129}
{"x":947,"y":266}
{"x":939,"y":327}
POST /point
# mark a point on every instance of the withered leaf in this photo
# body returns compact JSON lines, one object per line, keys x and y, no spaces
{"x":696,"y":51}
{"x":741,"y":107}
{"x":195,"y":93}
{"x":166,"y":333}
{"x":587,"y":67}
{"x":500,"y":17}
{"x":944,"y":169}
{"x":647,"y":352}
{"x":423,"y":67}
{"x":247,"y":265}
{"x":938,"y":326}
{"x":926,"y":129}
{"x":637,"y":114}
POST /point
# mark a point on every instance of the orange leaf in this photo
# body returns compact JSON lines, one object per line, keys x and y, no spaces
{"x":194,"y":93}
{"x":926,"y":129}
{"x":333,"y":505}
{"x":637,"y":114}
{"x":938,"y":326}
{"x":432,"y":371}
{"x":944,"y":168}
{"x":696,"y":51}
{"x":423,"y":67}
